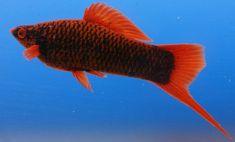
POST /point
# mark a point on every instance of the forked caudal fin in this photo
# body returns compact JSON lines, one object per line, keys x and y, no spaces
{"x":188,"y":62}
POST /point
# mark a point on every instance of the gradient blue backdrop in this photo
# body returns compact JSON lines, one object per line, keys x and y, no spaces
{"x":38,"y":103}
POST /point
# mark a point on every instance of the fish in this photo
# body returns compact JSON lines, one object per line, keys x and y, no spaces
{"x":104,"y":42}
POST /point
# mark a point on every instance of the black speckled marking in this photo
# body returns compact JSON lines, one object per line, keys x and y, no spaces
{"x":79,"y":45}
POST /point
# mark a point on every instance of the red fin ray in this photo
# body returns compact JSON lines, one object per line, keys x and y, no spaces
{"x":100,"y":74}
{"x":82,"y":78}
{"x":189,"y":61}
{"x":32,"y":52}
{"x":102,"y":14}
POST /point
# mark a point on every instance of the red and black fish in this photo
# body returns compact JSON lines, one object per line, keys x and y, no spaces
{"x":105,"y":41}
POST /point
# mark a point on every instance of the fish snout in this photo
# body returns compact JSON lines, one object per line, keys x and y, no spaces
{"x":14,"y":31}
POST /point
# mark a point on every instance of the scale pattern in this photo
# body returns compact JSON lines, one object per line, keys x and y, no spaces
{"x":77,"y":45}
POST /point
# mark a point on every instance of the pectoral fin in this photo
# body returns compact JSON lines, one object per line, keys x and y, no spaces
{"x":32,"y":52}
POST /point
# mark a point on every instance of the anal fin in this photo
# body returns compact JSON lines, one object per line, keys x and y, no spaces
{"x":97,"y":73}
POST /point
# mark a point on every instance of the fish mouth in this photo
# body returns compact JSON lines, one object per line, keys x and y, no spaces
{"x":13,"y":32}
{"x":13,"y":29}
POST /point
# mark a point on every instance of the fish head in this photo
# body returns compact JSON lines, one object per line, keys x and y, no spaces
{"x":26,"y":35}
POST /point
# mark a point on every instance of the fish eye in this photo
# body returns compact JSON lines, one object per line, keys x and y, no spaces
{"x":21,"y":33}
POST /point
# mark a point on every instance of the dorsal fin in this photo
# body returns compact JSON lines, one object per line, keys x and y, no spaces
{"x":102,"y":14}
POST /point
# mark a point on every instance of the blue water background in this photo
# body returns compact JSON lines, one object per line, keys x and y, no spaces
{"x":38,"y":103}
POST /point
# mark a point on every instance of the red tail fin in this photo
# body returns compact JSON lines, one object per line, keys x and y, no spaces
{"x":189,"y":61}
